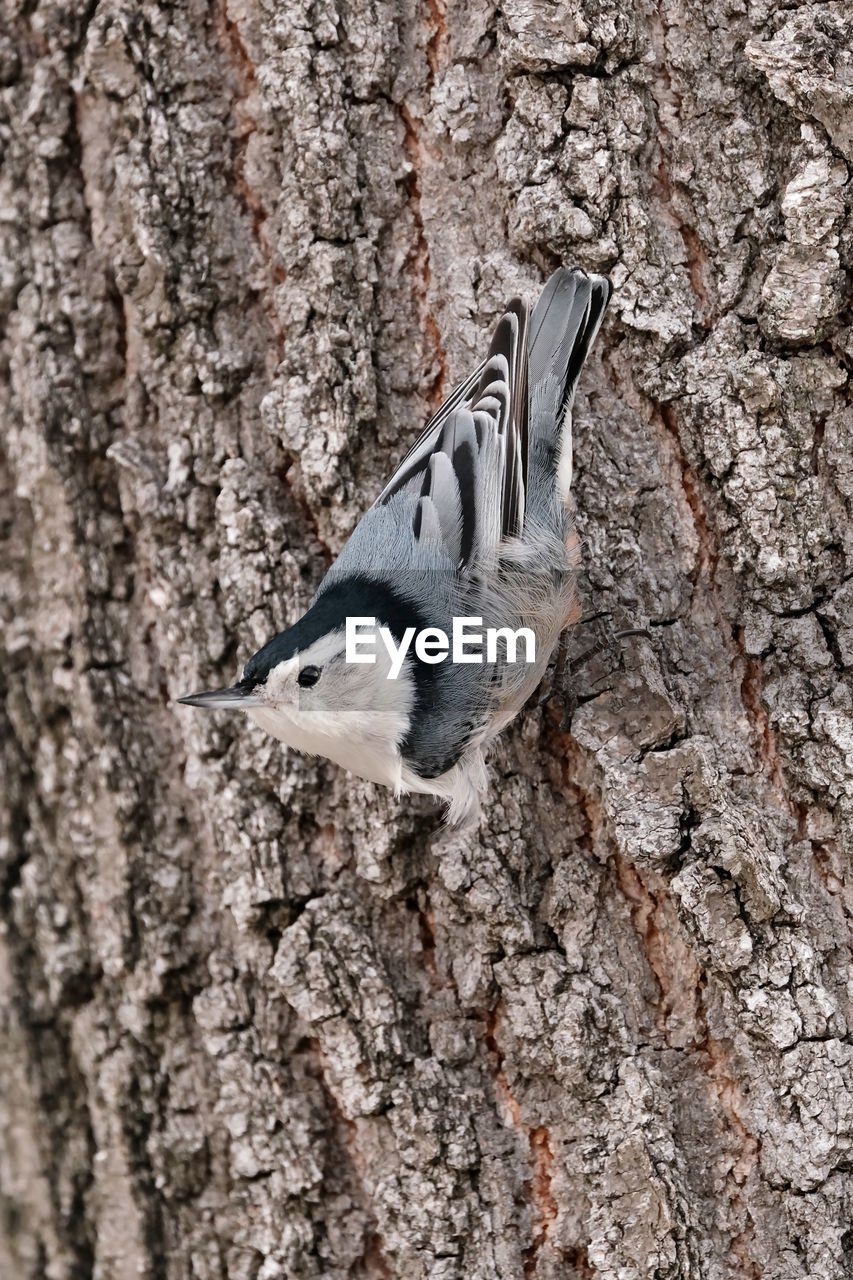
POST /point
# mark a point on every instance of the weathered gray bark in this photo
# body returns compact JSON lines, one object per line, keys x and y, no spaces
{"x":257,"y":1020}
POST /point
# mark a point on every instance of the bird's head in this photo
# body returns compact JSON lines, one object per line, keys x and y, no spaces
{"x":304,"y":687}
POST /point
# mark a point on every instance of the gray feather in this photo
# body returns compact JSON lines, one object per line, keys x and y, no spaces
{"x":471,"y":460}
{"x":418,"y":455}
{"x":445,"y":500}
{"x":428,"y":525}
{"x":563,"y":326}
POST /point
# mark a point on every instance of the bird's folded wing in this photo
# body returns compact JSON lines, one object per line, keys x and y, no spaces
{"x":467,"y":472}
{"x":414,"y":461}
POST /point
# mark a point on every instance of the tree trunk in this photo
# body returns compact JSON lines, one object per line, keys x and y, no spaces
{"x":260,"y":1020}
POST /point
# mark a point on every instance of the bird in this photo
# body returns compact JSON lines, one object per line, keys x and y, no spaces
{"x":475,"y":526}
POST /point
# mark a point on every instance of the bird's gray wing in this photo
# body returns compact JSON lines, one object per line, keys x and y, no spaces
{"x":413,"y":462}
{"x":468,"y":472}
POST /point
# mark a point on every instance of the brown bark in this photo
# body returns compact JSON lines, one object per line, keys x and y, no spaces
{"x":259,"y":1020}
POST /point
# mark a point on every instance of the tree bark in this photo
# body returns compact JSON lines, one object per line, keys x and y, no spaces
{"x":260,"y":1020}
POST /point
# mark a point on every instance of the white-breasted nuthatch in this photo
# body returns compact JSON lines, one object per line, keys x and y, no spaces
{"x":474,"y":527}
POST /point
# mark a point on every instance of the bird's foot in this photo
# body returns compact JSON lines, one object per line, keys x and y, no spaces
{"x":604,"y":657}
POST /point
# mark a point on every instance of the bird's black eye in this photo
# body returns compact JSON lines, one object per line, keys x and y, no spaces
{"x":307,"y":677}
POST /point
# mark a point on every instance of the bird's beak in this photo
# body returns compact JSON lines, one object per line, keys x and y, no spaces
{"x":234,"y":699}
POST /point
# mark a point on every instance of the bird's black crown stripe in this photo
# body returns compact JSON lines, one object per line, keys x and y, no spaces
{"x":352,"y":597}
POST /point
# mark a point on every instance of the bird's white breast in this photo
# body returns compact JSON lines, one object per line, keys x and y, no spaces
{"x":371,"y":754}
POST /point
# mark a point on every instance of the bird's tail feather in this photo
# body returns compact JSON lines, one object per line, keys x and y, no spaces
{"x":563,"y":326}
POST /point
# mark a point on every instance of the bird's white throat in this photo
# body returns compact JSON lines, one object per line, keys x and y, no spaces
{"x":364,"y":742}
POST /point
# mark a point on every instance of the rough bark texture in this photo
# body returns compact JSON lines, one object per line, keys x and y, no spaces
{"x":259,"y":1020}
